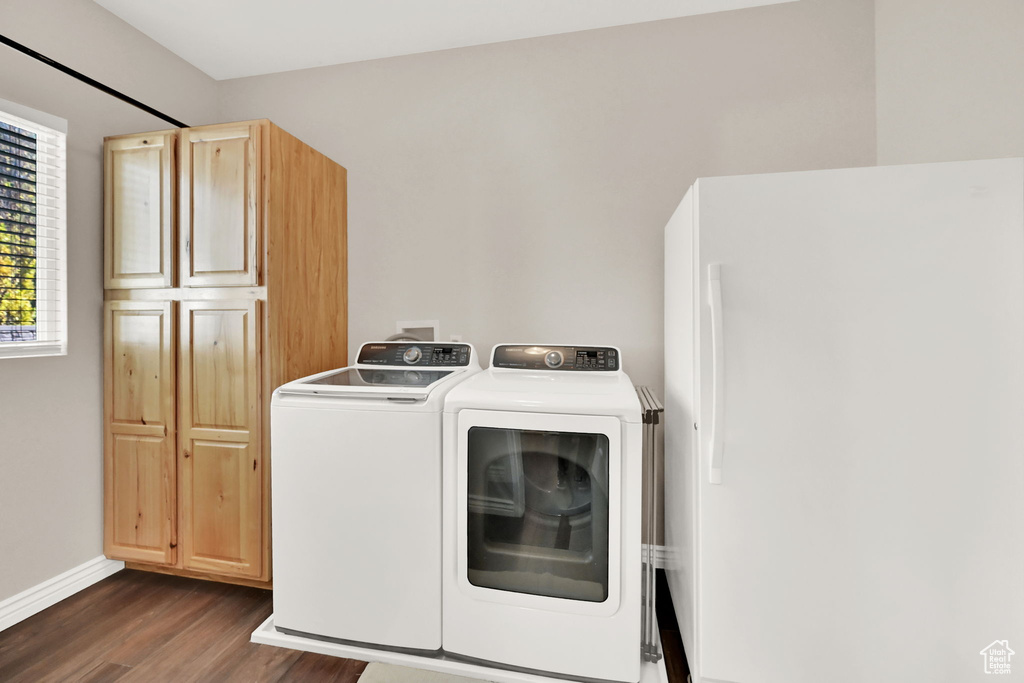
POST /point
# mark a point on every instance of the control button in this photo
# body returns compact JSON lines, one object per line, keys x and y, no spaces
{"x":412,"y":355}
{"x":553,"y":359}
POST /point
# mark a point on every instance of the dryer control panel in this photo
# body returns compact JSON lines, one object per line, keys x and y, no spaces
{"x":576,"y":358}
{"x":420,"y":354}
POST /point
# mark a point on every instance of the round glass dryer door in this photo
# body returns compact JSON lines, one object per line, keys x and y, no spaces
{"x":537,"y":512}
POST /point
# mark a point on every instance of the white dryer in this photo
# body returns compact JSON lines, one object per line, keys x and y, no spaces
{"x":542,"y":514}
{"x":356,"y":486}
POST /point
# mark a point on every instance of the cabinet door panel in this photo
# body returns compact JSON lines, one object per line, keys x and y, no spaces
{"x":142,"y":497}
{"x":225,"y":505}
{"x":139,"y":443}
{"x":220,"y":207}
{"x":221,"y":465}
{"x":138,"y":214}
{"x":219,"y":341}
{"x":138,"y":353}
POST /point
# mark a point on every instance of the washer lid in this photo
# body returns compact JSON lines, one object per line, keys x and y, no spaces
{"x":371,"y":382}
{"x":547,"y":391}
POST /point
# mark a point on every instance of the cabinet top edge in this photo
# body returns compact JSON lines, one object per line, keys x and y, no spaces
{"x":124,"y":136}
{"x":175,"y":131}
{"x":245,"y":122}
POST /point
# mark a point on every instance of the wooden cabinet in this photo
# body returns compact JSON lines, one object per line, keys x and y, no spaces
{"x":194,"y":352}
{"x":138,"y":218}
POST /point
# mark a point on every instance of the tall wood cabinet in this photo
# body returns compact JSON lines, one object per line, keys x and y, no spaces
{"x":225,"y":277}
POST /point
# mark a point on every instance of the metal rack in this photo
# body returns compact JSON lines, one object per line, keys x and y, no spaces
{"x":652,"y":410}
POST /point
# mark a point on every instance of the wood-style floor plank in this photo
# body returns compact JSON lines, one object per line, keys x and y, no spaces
{"x":103,"y":672}
{"x":173,"y":619}
{"x":668,"y":628}
{"x":313,"y":667}
{"x":250,"y":662}
{"x":141,"y":626}
{"x":189,"y":655}
{"x":77,"y":630}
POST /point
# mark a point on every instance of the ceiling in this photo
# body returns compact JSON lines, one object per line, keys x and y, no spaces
{"x":235,"y":38}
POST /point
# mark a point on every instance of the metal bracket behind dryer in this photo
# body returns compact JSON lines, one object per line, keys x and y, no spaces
{"x":652,"y":410}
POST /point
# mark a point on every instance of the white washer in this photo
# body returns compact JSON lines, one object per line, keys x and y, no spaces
{"x":542,"y":513}
{"x":356,"y":479}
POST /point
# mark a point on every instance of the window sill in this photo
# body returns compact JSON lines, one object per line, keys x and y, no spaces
{"x":32,"y":349}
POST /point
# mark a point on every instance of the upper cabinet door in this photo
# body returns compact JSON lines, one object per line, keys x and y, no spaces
{"x":220,"y":205}
{"x":138,"y":213}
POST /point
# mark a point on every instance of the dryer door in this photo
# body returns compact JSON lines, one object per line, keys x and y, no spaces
{"x":539,"y":510}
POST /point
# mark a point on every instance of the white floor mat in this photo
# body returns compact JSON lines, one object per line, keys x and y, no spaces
{"x":376,"y":672}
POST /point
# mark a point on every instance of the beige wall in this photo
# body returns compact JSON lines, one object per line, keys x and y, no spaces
{"x":518,"y":191}
{"x":512,"y":191}
{"x":50,"y":413}
{"x":950,"y":79}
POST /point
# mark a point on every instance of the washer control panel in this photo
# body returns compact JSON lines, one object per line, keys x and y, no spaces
{"x":576,"y":358}
{"x":420,"y":354}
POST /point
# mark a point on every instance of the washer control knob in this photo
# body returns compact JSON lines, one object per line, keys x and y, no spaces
{"x":412,"y":355}
{"x":553,"y":359}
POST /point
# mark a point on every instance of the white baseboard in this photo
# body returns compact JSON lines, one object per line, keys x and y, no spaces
{"x":50,"y":592}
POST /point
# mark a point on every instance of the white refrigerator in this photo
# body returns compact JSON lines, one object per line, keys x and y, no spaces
{"x":844,"y":461}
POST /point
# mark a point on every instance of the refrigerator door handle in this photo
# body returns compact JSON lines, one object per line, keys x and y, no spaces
{"x":716,"y":445}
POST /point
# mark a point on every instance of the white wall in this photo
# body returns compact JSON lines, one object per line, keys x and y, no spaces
{"x":51,"y":486}
{"x":950,"y":79}
{"x":518,"y":191}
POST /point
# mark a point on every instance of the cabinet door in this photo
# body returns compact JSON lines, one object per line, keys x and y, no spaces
{"x":139,"y":449}
{"x":220,"y":205}
{"x":220,"y":460}
{"x":138,"y":211}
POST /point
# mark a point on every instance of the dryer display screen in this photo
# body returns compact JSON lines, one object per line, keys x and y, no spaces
{"x":561,"y":358}
{"x":444,"y":355}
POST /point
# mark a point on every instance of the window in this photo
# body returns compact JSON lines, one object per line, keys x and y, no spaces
{"x":33,"y":279}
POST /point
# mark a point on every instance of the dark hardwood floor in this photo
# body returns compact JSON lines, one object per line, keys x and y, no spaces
{"x":140,"y":626}
{"x":668,"y":629}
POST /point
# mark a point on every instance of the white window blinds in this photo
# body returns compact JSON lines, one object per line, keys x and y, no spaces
{"x":33,"y":261}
